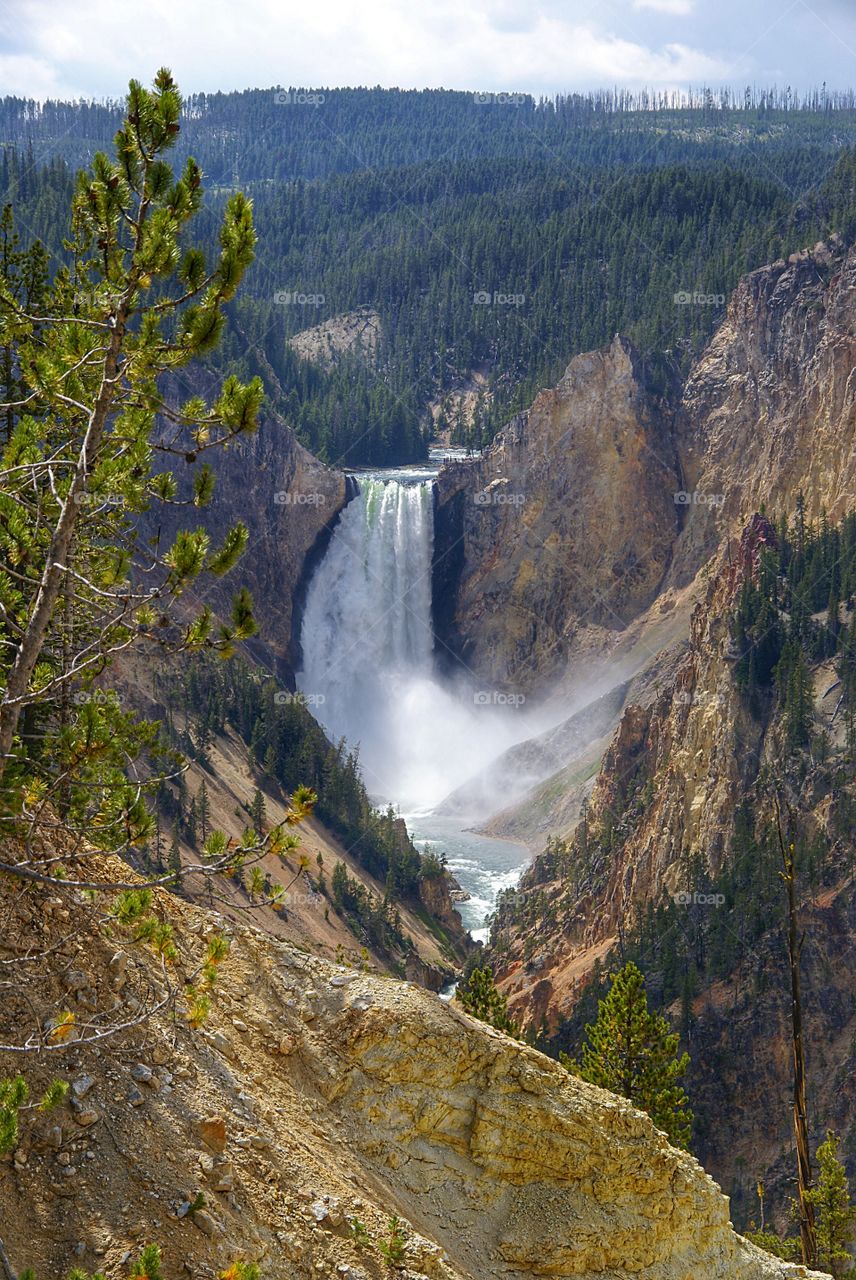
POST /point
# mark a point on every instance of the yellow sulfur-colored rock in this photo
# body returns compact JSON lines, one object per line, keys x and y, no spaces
{"x":523,"y":1167}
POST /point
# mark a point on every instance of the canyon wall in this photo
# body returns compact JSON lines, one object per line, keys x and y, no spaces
{"x":564,"y":527}
{"x":599,"y":497}
{"x":666,"y":809}
{"x":770,"y":407}
{"x":289,"y":502}
{"x":767,"y":412}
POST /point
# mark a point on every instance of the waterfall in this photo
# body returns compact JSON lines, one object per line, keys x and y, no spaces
{"x":366,"y":635}
{"x":367,"y":642}
{"x":368,"y":676}
{"x":368,"y":608}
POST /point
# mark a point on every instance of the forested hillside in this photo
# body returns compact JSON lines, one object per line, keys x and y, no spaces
{"x":490,"y":232}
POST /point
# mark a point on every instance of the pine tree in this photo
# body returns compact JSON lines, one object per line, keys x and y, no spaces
{"x":137,"y":301}
{"x":191,"y":822}
{"x":795,"y":694}
{"x":632,"y":1051}
{"x":480,"y":997}
{"x":340,"y":884}
{"x":24,"y":273}
{"x":203,"y":736}
{"x":688,"y":990}
{"x":258,"y":812}
{"x":203,"y":808}
{"x":833,"y":621}
{"x":13,"y":1099}
{"x":835,"y":1214}
{"x":174,"y":857}
{"x":847,"y":674}
{"x":795,"y":940}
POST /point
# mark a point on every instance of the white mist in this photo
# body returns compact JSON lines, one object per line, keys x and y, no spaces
{"x":368,"y":655}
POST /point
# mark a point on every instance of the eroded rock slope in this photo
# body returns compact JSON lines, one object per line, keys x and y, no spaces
{"x":316,"y":1095}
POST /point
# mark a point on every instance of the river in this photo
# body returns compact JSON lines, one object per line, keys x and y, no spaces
{"x":369,"y":676}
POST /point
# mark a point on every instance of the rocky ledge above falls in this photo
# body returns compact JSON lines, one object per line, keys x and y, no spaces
{"x":567,"y":522}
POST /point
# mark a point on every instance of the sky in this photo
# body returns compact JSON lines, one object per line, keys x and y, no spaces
{"x":90,"y":48}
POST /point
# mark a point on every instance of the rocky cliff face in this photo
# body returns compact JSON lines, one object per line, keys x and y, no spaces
{"x":667,"y":799}
{"x":548,"y":546}
{"x":355,"y":334}
{"x":317,"y":1095}
{"x":767,"y":412}
{"x":566,"y":524}
{"x":289,"y":501}
{"x":770,"y":408}
{"x":695,"y":750}
{"x":672,"y":773}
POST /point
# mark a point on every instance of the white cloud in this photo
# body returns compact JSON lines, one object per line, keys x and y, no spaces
{"x":25,"y":76}
{"x":73,"y":48}
{"x":678,"y":8}
{"x":211,"y":44}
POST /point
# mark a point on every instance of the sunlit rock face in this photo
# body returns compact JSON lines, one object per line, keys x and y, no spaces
{"x":769,"y":409}
{"x":512,"y":1165}
{"x":566,"y":523}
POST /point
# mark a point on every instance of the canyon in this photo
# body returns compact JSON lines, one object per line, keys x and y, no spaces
{"x":550,"y":666}
{"x":543,"y":587}
{"x":766,"y":413}
{"x":585,"y":564}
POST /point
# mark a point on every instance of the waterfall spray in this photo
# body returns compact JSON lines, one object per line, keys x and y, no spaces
{"x":368,"y":663}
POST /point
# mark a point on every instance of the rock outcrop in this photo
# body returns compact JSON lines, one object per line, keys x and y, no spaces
{"x":565,"y":525}
{"x":598,"y":496}
{"x":447,"y":1109}
{"x":355,"y":335}
{"x":770,"y":407}
{"x":316,"y":1096}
